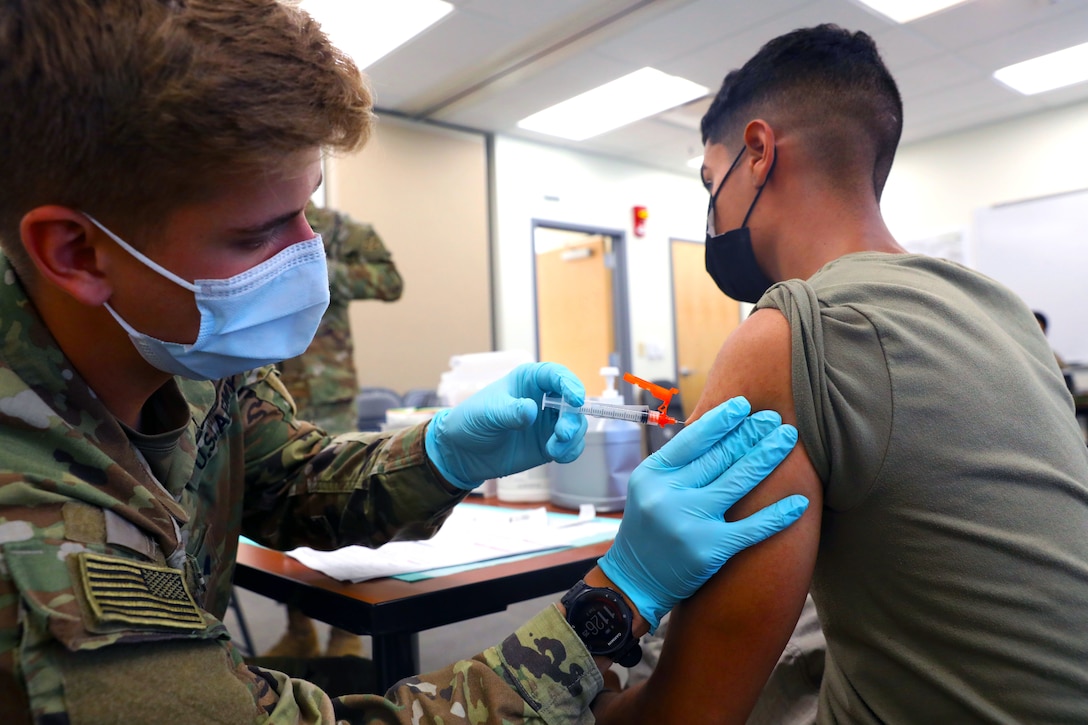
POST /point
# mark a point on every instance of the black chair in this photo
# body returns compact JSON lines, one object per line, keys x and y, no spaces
{"x":656,"y":435}
{"x":371,"y":404}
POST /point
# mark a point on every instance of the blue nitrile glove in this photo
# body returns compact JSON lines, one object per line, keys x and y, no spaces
{"x":673,"y":536}
{"x":502,"y":430}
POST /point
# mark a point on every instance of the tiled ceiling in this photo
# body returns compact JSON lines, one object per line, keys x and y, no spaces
{"x":490,"y":63}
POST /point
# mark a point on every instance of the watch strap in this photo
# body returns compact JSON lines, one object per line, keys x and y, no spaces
{"x":630,"y":656}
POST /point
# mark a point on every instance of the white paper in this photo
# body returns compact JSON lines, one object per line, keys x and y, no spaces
{"x":470,"y":534}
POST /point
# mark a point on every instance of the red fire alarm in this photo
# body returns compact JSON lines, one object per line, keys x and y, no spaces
{"x":640,"y":215}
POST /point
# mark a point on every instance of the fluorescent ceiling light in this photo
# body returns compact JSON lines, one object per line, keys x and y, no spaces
{"x":1047,"y":72}
{"x":903,"y":11}
{"x":617,"y":103}
{"x":370,"y":29}
{"x":696,"y":163}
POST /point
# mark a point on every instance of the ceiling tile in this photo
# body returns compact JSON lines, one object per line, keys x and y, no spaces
{"x":982,"y":20}
{"x":493,"y":62}
{"x":691,"y":26}
{"x":1028,"y":42}
{"x":460,"y":42}
{"x":901,"y":46}
{"x":1063,"y":97}
{"x":518,"y":13}
{"x":709,"y":64}
{"x":934,"y":75}
{"x":519,"y":97}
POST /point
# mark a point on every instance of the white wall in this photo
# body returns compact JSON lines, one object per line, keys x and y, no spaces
{"x":1038,"y":249}
{"x":533,"y":181}
{"x":935,"y":186}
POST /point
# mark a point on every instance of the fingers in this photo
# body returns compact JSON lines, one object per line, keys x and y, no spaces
{"x":766,"y":522}
{"x":554,"y":378}
{"x":570,"y":426}
{"x":567,"y":440}
{"x":514,"y":415}
{"x":699,"y":437}
{"x":566,"y":451}
{"x":748,"y":472}
{"x":736,"y":444}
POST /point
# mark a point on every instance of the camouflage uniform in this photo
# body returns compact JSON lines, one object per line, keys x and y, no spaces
{"x":117,"y":550}
{"x":322,"y":380}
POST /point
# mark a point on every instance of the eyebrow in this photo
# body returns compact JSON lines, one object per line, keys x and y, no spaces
{"x":267,"y":226}
{"x":271,"y":224}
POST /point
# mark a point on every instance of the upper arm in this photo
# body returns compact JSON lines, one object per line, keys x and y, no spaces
{"x":724,"y":641}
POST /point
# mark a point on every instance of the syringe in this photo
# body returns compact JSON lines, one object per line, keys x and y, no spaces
{"x":636,"y":414}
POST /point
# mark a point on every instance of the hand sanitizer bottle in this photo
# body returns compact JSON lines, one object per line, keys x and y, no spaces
{"x":613,"y":449}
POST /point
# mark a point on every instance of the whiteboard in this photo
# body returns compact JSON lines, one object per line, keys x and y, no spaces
{"x":1039,"y":249}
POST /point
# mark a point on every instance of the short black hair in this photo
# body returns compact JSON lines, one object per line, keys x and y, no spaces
{"x":826,"y":78}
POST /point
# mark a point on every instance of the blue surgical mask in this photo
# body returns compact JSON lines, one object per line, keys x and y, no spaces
{"x":264,"y":315}
{"x":730,"y":258}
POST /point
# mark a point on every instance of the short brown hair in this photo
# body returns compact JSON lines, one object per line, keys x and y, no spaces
{"x":127,"y":109}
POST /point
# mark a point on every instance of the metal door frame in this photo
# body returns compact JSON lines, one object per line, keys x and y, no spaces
{"x":621,"y":312}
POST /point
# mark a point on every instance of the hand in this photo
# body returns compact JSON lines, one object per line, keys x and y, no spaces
{"x":503,"y":430}
{"x":674,"y":536}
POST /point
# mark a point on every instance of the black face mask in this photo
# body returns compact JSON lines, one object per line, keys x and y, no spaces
{"x":730,"y":259}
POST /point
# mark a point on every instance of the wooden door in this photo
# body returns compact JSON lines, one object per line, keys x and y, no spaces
{"x":574,"y":305}
{"x":704,"y":318}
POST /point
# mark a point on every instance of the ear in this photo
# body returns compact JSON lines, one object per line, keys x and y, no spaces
{"x":760,"y":140}
{"x":64,"y":246}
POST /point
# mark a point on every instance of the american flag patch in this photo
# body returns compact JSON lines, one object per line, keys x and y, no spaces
{"x":126,"y":592}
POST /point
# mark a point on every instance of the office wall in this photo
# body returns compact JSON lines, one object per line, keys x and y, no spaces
{"x":425,"y":191}
{"x":533,"y":181}
{"x":935,"y":186}
{"x":1039,"y":249}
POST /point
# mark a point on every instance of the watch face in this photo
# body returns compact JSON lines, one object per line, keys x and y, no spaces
{"x":600,"y":623}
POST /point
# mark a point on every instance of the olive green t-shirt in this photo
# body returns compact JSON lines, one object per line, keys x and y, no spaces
{"x":952,"y":574}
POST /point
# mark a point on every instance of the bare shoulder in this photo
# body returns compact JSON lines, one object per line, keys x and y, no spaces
{"x":754,"y":362}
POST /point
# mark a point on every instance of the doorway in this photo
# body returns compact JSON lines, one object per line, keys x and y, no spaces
{"x":581,"y":301}
{"x":703,"y":317}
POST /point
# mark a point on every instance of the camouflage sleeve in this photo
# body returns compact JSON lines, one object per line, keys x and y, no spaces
{"x":542,"y":673}
{"x":360,"y":267}
{"x":306,"y":488}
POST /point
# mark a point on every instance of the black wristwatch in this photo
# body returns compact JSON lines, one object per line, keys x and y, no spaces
{"x":602,"y":619}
